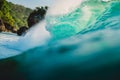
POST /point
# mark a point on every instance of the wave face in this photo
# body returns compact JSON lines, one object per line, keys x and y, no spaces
{"x":89,"y":48}
{"x":72,"y":21}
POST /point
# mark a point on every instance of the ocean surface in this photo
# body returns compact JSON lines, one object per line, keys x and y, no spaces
{"x":74,"y":41}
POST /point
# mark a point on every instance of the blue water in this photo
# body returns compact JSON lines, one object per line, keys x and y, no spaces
{"x":84,"y":45}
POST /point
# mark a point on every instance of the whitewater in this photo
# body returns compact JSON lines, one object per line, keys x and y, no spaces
{"x":78,"y":41}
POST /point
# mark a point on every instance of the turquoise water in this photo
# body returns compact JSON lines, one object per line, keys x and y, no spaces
{"x":76,"y":20}
{"x":85,"y":45}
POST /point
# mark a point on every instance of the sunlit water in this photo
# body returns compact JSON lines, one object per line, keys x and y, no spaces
{"x":83,"y":37}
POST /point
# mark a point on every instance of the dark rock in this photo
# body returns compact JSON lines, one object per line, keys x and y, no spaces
{"x":14,"y":30}
{"x":8,"y":27}
{"x":22,"y":30}
{"x":36,"y":16}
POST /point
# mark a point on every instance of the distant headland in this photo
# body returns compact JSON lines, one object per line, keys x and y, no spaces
{"x":17,"y":18}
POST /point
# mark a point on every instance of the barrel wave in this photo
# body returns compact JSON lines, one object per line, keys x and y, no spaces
{"x":84,"y":44}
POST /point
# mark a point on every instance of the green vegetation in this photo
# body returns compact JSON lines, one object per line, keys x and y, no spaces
{"x":17,"y":19}
{"x":20,"y":14}
{"x":5,"y":14}
{"x":13,"y":14}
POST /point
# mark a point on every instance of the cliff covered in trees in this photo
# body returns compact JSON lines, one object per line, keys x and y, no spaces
{"x":18,"y":19}
{"x":12,"y":16}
